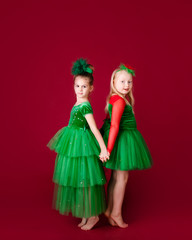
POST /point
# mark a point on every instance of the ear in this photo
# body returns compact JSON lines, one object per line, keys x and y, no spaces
{"x":91,"y":89}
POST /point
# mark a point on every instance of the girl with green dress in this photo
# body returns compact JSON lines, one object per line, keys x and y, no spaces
{"x":78,"y":175}
{"x":125,"y":144}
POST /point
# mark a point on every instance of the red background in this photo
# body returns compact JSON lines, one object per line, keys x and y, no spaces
{"x":39,"y":41}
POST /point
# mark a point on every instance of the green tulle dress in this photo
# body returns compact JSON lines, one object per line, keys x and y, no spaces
{"x":130,"y":150}
{"x":78,"y":175}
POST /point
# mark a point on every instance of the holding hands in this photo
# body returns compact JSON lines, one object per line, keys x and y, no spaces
{"x":104,"y":155}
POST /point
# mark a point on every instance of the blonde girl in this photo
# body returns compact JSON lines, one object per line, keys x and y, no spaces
{"x":126,"y":146}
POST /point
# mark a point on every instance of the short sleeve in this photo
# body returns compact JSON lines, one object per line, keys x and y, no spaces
{"x":86,"y":109}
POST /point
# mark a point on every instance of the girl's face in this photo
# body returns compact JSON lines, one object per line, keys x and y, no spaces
{"x":123,"y":82}
{"x":82,"y":87}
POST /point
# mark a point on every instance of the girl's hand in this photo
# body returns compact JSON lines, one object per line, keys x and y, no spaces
{"x":104,"y":155}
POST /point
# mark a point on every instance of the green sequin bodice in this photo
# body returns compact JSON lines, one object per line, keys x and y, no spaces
{"x":77,"y":118}
{"x":127,"y":120}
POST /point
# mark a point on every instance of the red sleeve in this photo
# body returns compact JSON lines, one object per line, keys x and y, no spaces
{"x":117,"y":111}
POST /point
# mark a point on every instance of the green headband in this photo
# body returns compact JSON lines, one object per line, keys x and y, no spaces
{"x":127,"y":68}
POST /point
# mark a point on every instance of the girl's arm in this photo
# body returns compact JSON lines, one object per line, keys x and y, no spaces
{"x":117,"y":111}
{"x":91,"y":121}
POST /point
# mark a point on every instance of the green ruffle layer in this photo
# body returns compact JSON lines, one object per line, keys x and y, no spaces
{"x":74,"y":142}
{"x":81,"y":202}
{"x":130,"y":151}
{"x":78,"y":172}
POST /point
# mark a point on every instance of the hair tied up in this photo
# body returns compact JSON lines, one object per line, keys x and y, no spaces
{"x":81,"y":66}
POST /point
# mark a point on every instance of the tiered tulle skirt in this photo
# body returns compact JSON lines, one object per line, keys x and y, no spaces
{"x":78,"y":175}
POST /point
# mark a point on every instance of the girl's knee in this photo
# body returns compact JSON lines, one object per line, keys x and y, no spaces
{"x":125,"y":177}
{"x":122,"y":176}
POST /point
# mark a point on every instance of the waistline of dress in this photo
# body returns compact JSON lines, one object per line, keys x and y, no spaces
{"x":77,"y":127}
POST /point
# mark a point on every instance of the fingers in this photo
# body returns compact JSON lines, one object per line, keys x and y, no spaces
{"x":104,"y":158}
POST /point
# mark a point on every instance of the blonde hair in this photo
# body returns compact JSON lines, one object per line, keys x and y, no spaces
{"x":113,"y":90}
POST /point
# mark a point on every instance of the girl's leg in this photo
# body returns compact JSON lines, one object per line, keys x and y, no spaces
{"x":83,"y":222}
{"x":90,"y":223}
{"x":110,"y":188}
{"x":118,"y":196}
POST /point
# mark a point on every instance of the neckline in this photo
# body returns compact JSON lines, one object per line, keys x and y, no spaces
{"x":125,"y":105}
{"x":81,"y":103}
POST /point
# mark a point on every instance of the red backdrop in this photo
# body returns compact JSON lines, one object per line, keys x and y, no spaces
{"x":39,"y":41}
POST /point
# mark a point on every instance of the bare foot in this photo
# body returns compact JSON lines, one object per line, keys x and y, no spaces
{"x":112,"y":222}
{"x":107,"y":213}
{"x":90,"y":223}
{"x":83,"y":222}
{"x":119,"y":221}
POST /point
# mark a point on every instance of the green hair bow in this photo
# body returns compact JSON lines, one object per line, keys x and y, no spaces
{"x":80,"y":67}
{"x":127,"y":68}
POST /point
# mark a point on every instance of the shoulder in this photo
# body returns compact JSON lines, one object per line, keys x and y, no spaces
{"x":86,"y":108}
{"x":86,"y":105}
{"x":117,"y":99}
